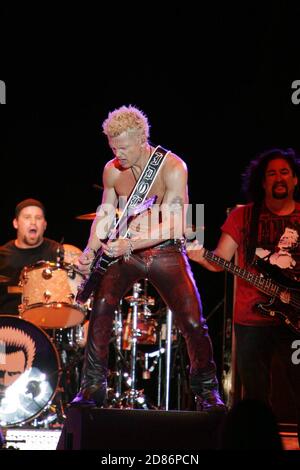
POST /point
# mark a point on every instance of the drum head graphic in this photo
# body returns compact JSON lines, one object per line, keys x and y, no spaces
{"x":29,"y":370}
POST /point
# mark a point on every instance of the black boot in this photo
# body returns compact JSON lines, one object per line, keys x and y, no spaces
{"x":93,"y":387}
{"x":209,"y":401}
{"x":94,"y":395}
{"x":207,"y":396}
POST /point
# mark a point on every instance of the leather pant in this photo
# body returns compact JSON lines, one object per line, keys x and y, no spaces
{"x":168,"y":270}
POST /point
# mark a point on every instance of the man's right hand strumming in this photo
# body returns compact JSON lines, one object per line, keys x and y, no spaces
{"x":195,"y":251}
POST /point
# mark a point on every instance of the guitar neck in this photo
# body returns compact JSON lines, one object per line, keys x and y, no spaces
{"x":265,"y":285}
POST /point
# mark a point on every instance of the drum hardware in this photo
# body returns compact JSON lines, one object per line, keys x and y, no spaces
{"x":148,"y":370}
{"x":47,"y":295}
{"x":24,"y":277}
{"x":71,"y":273}
{"x":47,"y":273}
{"x":70,"y":339}
{"x":24,"y":303}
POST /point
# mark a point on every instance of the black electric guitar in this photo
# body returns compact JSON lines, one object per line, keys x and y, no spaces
{"x":101,"y":261}
{"x":284,"y":301}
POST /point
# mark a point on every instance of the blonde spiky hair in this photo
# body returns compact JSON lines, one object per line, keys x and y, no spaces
{"x":126,"y":119}
{"x":13,"y":337}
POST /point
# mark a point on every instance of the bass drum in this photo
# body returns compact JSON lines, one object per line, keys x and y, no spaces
{"x":29,"y":371}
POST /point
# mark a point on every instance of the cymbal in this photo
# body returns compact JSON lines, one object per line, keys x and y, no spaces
{"x":140,"y":300}
{"x":97,"y":186}
{"x":4,"y":278}
{"x":90,"y":216}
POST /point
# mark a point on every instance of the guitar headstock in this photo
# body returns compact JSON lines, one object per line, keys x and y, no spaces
{"x":132,"y":211}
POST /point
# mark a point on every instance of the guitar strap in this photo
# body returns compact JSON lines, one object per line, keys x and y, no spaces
{"x":137,"y":197}
{"x":145,"y":182}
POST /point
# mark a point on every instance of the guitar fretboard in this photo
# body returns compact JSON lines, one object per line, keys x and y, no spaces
{"x":265,"y":285}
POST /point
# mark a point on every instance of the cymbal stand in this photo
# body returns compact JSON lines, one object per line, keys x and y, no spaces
{"x":165,"y":347}
{"x":168,"y":358}
{"x":134,"y":394}
{"x":164,"y":338}
{"x":118,"y":343}
{"x":159,"y":389}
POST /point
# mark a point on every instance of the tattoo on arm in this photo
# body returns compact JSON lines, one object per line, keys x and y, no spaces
{"x":176,"y":204}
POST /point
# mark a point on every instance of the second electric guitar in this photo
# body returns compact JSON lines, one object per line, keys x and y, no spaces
{"x":284,"y":301}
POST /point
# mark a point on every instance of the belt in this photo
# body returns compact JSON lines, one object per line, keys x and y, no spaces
{"x":170,"y":242}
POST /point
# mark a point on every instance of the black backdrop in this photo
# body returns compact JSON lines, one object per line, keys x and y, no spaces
{"x":215,"y":84}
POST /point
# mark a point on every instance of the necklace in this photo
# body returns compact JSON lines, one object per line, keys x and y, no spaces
{"x":135,"y":178}
{"x":134,"y":175}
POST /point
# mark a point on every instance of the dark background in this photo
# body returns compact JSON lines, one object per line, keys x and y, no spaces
{"x":215,"y":84}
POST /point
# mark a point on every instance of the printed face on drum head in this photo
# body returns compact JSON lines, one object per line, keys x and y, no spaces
{"x":17,"y":354}
{"x":10,"y":370}
{"x":29,"y":370}
{"x":30,"y":225}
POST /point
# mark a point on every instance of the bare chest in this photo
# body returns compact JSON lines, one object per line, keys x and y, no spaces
{"x":126,"y":181}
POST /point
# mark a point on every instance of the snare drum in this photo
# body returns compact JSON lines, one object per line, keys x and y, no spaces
{"x":29,"y":371}
{"x":48,"y":295}
{"x":71,"y":338}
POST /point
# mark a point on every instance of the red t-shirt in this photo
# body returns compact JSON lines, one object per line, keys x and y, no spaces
{"x":278,"y":245}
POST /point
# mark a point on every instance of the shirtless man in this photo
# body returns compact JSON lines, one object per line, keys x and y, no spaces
{"x":153,"y":251}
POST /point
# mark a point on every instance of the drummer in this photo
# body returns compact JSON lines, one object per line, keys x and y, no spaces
{"x":29,"y":247}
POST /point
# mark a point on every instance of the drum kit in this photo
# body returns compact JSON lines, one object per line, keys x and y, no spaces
{"x":41,"y":351}
{"x":51,"y":330}
{"x":43,"y":348}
